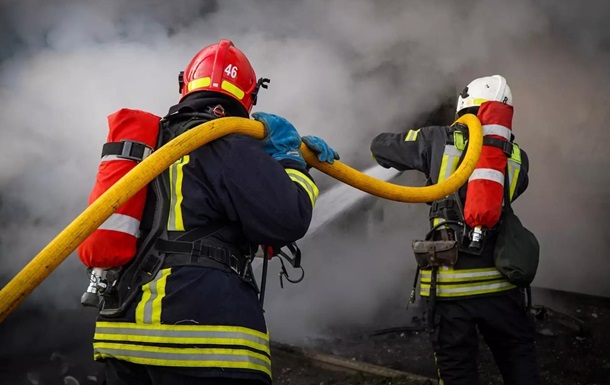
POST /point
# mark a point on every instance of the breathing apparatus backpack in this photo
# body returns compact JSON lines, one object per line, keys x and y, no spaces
{"x":132,"y":136}
{"x":130,"y":247}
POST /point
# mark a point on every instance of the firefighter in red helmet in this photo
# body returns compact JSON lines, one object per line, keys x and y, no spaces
{"x":186,"y":309}
{"x":464,"y":291}
{"x":224,"y":69}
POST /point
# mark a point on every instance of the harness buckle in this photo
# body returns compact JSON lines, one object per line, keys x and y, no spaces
{"x":234,"y":264}
{"x":196,"y":248}
{"x":134,"y":150}
{"x":507,"y":147}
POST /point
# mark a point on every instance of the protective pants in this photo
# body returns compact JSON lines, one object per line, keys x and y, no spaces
{"x":507,"y":328}
{"x":126,"y":373}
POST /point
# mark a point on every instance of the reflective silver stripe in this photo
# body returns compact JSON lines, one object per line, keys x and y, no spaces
{"x":173,"y":171}
{"x":188,"y":334}
{"x":108,"y":158}
{"x":497,"y":129}
{"x":191,"y":357}
{"x":453,"y":156}
{"x":451,"y":150}
{"x":487,"y":174}
{"x":148,"y":310}
{"x":122,"y":223}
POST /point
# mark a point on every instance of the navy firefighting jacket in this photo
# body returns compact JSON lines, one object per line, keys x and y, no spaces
{"x":203,"y":321}
{"x":435,"y":151}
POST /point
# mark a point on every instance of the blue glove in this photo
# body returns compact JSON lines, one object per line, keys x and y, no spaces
{"x":282,"y":140}
{"x":321,"y":148}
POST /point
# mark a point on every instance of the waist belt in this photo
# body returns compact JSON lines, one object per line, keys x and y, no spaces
{"x":197,"y":253}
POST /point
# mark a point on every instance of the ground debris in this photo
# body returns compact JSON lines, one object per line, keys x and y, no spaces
{"x":573,"y":349}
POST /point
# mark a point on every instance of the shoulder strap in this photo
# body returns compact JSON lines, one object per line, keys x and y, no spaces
{"x":507,"y":206}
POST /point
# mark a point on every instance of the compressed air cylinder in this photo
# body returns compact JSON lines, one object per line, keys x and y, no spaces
{"x":114,"y":243}
{"x":485,"y":193}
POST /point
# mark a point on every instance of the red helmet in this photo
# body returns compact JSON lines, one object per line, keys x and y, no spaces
{"x":222,"y":68}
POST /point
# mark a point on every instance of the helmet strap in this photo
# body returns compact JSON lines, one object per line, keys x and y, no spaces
{"x":180,"y":81}
{"x":261,"y":83}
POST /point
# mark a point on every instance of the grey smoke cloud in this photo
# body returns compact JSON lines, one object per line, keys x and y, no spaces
{"x":341,"y":69}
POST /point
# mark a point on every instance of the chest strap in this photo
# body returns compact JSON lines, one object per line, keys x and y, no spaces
{"x":127,"y":149}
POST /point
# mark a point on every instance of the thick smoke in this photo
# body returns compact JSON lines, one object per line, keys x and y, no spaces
{"x":341,"y":69}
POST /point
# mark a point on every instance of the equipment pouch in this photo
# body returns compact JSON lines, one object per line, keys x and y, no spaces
{"x":517,"y":251}
{"x":435,"y":253}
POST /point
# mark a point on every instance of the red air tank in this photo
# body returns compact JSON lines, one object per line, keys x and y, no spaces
{"x":485,"y":193}
{"x":131,"y":133}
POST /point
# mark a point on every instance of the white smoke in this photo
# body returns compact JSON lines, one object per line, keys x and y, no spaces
{"x":343,"y":70}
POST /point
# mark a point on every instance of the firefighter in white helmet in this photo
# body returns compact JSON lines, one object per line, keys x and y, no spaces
{"x":464,"y":291}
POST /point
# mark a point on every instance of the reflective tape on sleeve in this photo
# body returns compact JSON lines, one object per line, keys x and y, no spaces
{"x":308,"y":185}
{"x":411,"y":136}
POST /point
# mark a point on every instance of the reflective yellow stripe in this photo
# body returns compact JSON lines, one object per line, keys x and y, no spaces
{"x":308,"y":185}
{"x":447,"y":274}
{"x":146,"y":294}
{"x":443,"y":170}
{"x":158,"y":299}
{"x":438,"y":371}
{"x":467,"y":289}
{"x":186,"y":357}
{"x":513,"y":178}
{"x":198,"y":83}
{"x":181,"y":328}
{"x":232,"y":89}
{"x":149,"y":309}
{"x":411,"y":136}
{"x":516,"y":154}
{"x":441,"y":177}
{"x":458,"y":140}
{"x":182,"y":334}
{"x":176,"y":177}
{"x":514,"y":168}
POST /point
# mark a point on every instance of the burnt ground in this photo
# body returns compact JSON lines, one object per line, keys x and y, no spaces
{"x":573,"y":343}
{"x":573,"y":347}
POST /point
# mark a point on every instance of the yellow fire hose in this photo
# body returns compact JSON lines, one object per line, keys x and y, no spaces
{"x":41,"y":266}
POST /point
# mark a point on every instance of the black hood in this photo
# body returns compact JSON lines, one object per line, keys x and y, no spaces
{"x":204,"y":100}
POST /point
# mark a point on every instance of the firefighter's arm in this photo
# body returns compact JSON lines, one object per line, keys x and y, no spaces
{"x":271,"y":199}
{"x":409,"y":150}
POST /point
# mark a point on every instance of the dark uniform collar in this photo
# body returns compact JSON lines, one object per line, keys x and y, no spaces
{"x":208,"y":102}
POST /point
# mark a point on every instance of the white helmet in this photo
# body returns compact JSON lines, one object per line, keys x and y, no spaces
{"x":482,"y":90}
